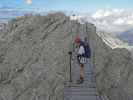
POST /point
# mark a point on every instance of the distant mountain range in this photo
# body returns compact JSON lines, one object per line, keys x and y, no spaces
{"x":127,"y":36}
{"x":7,"y":13}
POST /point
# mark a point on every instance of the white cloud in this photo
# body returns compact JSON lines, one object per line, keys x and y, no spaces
{"x":107,"y":13}
{"x":130,"y":22}
{"x":101,"y":14}
{"x":98,"y":14}
{"x":119,"y":21}
{"x":113,"y":19}
{"x":29,"y":2}
{"x":132,"y":16}
{"x":110,"y":20}
{"x":117,"y":11}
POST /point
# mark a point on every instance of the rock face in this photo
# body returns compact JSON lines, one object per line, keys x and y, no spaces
{"x":113,"y":68}
{"x":34,"y":64}
{"x":33,"y":58}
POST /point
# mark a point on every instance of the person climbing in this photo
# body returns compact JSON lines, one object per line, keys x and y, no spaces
{"x":83,"y":54}
{"x":80,"y":53}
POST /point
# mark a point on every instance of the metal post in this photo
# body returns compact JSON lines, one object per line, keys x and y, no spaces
{"x":70,"y":53}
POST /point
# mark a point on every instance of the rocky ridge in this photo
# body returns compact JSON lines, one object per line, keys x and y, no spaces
{"x":34,"y":63}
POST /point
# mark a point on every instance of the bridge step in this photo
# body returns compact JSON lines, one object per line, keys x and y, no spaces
{"x":85,"y":91}
{"x":80,"y":97}
{"x":75,"y":89}
{"x":85,"y":85}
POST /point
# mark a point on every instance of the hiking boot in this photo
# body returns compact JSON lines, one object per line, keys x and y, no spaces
{"x":80,"y":81}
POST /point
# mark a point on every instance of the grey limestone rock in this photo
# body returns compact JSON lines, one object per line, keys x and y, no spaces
{"x":34,"y":60}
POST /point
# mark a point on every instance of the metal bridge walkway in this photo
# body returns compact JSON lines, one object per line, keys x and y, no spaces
{"x":85,"y":91}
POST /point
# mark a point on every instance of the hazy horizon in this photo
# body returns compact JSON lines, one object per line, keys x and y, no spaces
{"x":115,"y":16}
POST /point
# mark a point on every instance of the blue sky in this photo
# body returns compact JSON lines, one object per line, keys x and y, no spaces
{"x":70,"y":5}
